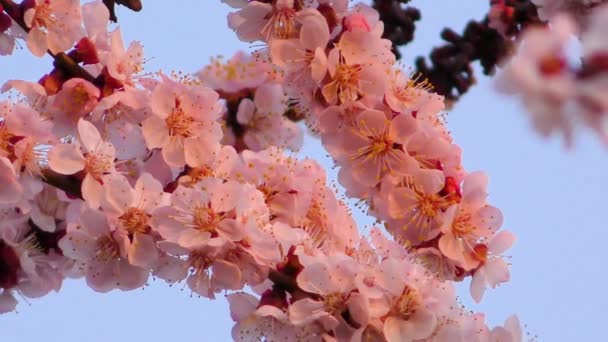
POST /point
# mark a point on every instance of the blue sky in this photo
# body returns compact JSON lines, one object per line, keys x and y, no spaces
{"x":551,"y":198}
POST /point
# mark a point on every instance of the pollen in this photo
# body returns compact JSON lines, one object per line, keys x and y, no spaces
{"x":462,"y":225}
{"x":44,"y":17}
{"x":135,"y":220}
{"x":199,"y":262}
{"x":407,"y":304}
{"x":346,"y":80}
{"x":180,"y":123}
{"x":335,"y":303}
{"x":281,"y":25}
{"x":107,"y":248}
{"x":97,"y":165}
{"x":428,"y":205}
{"x":205,"y":219}
{"x":5,"y":139}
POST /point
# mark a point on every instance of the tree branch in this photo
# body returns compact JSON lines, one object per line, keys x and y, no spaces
{"x":134,"y":5}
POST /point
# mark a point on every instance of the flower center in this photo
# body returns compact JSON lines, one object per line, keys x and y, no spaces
{"x":107,"y":248}
{"x":462,"y":225}
{"x":180,"y":123}
{"x":231,"y":72}
{"x":205,"y":219}
{"x":335,"y":303}
{"x":281,"y":24}
{"x":315,"y":224}
{"x":5,"y":139}
{"x":412,"y":89}
{"x":347,"y":81}
{"x":135,"y":220}
{"x":407,"y":304}
{"x":44,"y":17}
{"x":195,"y":175}
{"x":80,"y":95}
{"x":199,"y":262}
{"x":97,"y":165}
{"x":551,"y":65}
{"x":428,"y":205}
{"x":480,"y":252}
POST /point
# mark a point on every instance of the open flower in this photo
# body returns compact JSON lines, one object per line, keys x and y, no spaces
{"x":494,"y":269}
{"x":54,"y":25}
{"x":304,"y":57}
{"x":264,"y":122}
{"x":374,"y":146}
{"x":468,"y":222}
{"x":184,"y":120}
{"x":94,"y":157}
{"x":357,"y":67}
{"x":130,"y":209}
{"x":211,"y":213}
{"x":101,"y":252}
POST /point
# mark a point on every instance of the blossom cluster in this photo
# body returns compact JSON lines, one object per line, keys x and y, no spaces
{"x":385,"y":130}
{"x":115,"y":176}
{"x":560,"y":92}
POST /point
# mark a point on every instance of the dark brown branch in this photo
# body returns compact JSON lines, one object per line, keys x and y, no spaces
{"x":71,"y":185}
{"x":134,"y":5}
{"x":289,"y":284}
{"x":72,"y":69}
{"x":451,"y":71}
{"x":449,"y":66}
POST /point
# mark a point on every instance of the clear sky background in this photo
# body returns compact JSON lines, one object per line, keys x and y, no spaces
{"x":551,"y":198}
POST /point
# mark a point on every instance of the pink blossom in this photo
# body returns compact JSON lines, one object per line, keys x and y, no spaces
{"x":101,"y":252}
{"x":548,"y":9}
{"x":96,"y":161}
{"x":510,"y":332}
{"x":34,"y":93}
{"x":333,"y":282}
{"x":54,"y":25}
{"x":264,"y":122}
{"x":305,"y":57}
{"x":33,"y":270}
{"x":96,"y":17}
{"x":10,"y":188}
{"x":241,"y":71}
{"x":206,"y":268}
{"x":469,"y":222}
{"x":494,"y":269}
{"x":254,"y":323}
{"x":539,"y":72}
{"x":262,"y":21}
{"x":593,"y":37}
{"x":418,"y":206}
{"x":211,"y":213}
{"x":355,"y":71}
{"x":129,"y":210}
{"x":8,"y":302}
{"x":356,"y":21}
{"x":48,"y":207}
{"x":124,"y":64}
{"x":406,"y":95}
{"x":374,"y":146}
{"x":184,"y":121}
{"x":74,"y":101}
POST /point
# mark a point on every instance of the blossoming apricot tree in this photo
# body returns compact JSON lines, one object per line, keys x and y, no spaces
{"x":113,"y":175}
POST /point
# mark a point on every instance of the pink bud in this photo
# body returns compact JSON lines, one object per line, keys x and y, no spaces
{"x":356,"y":21}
